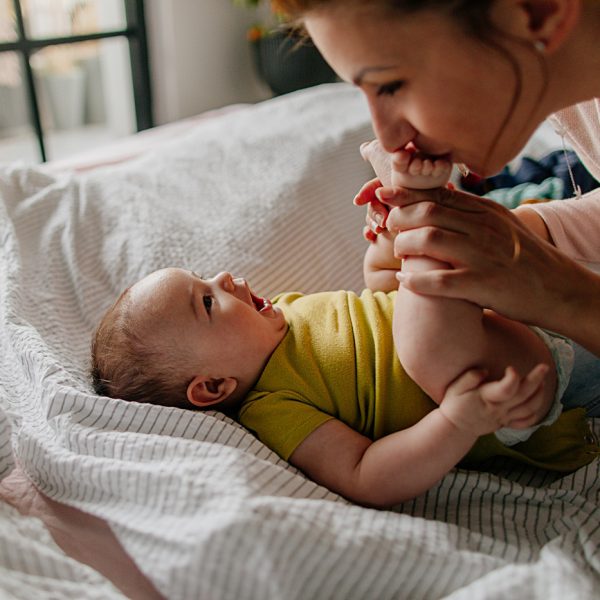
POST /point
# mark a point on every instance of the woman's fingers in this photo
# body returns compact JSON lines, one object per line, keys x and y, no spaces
{"x":399,"y":196}
{"x":377,"y":215}
{"x":369,"y":234}
{"x":366,"y":193}
{"x":439,"y":243}
{"x":376,"y":211}
{"x":462,"y":283}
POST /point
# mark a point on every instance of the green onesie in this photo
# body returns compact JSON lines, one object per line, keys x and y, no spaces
{"x":338,"y":361}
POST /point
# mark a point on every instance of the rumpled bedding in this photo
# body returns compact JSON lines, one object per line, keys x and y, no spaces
{"x":203,"y":508}
{"x":551,"y":177}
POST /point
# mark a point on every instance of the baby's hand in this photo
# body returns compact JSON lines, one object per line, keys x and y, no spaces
{"x":412,"y":169}
{"x":480,"y":408}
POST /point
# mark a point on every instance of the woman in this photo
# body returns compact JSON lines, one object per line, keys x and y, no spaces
{"x":471,"y":80}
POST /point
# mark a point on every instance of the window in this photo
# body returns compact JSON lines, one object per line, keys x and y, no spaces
{"x":73,"y":75}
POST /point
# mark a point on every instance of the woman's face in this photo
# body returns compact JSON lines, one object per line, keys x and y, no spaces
{"x":426,"y":81}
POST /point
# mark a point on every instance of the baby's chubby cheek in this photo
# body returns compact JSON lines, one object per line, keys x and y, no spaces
{"x":380,"y":160}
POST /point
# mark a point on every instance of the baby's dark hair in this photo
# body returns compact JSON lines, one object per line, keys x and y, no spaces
{"x":126,"y":365}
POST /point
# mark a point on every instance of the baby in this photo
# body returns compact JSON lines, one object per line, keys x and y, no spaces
{"x":317,"y":379}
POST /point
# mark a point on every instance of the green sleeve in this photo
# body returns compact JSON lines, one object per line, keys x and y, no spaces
{"x":282,"y":423}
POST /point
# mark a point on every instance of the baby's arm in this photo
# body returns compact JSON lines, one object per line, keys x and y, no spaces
{"x":405,"y":464}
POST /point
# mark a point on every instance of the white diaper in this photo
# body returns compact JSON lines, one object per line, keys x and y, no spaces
{"x":563,"y":356}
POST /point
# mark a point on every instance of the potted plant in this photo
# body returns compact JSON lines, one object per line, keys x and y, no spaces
{"x":284,"y":61}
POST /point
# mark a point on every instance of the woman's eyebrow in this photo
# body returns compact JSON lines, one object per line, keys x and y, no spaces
{"x":358,"y":78}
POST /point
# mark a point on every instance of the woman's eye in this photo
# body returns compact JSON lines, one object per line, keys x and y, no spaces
{"x":208,"y":302}
{"x":389,"y":89}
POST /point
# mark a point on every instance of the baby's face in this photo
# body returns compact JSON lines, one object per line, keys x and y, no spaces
{"x":219,"y":321}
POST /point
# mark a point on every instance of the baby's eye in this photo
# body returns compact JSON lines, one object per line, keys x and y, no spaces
{"x":389,"y":89}
{"x":208,"y":302}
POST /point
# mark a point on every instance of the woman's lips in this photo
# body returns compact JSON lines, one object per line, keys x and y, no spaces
{"x":423,"y":153}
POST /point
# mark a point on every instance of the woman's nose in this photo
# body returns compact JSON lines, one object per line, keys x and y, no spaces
{"x":392,"y":130}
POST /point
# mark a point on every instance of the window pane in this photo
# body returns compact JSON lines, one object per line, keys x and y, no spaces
{"x":58,"y":18}
{"x":8,"y":29}
{"x":86,"y":95}
{"x":17,"y":141}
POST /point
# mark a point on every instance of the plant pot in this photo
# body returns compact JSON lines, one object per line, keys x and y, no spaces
{"x":287,"y":64}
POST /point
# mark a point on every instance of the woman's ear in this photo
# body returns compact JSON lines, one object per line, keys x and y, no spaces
{"x":209,"y":391}
{"x":546,"y":22}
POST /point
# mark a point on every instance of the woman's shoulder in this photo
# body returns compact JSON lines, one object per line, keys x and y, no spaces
{"x":574,"y":225}
{"x":579,"y":126}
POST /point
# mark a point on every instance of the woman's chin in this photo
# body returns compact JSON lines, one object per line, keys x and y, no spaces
{"x":484,"y":171}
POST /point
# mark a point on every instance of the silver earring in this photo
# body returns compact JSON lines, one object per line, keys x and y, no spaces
{"x":463,"y":169}
{"x":540,"y":46}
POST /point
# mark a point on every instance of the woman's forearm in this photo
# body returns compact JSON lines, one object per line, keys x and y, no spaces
{"x":579,"y":317}
{"x":582,"y":301}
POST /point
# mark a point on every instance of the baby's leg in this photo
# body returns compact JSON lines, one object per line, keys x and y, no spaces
{"x":438,"y":339}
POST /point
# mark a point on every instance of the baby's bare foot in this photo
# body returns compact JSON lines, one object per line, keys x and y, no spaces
{"x":380,"y":160}
{"x":412,"y":169}
{"x":407,"y":167}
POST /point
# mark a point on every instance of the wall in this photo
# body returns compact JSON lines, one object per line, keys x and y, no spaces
{"x":199,"y":57}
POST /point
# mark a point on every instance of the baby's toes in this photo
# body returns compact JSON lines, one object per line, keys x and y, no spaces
{"x":401,"y":161}
{"x":416,"y":166}
{"x":427,"y":168}
{"x":441,"y":167}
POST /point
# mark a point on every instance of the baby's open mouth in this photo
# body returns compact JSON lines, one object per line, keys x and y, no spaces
{"x":260,"y":303}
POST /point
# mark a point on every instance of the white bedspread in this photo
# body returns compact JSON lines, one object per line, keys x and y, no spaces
{"x":204,"y":509}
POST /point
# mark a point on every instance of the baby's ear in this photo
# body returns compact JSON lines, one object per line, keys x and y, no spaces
{"x":209,"y":391}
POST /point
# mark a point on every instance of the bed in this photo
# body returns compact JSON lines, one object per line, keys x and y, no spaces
{"x":107,"y":499}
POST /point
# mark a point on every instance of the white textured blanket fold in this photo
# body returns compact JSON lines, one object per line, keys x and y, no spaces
{"x":204,"y":509}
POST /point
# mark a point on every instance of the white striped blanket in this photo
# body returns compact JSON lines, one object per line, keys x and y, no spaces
{"x":204,"y":509}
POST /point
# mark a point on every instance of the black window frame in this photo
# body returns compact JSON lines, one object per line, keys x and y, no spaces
{"x":134,"y":31}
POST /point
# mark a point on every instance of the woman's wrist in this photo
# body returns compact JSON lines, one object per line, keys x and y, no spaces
{"x":533,"y":221}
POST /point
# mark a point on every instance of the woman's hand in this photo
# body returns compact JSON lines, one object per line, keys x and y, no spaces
{"x":496,"y":261}
{"x":376,"y":211}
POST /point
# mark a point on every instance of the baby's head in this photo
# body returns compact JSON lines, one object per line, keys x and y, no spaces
{"x":176,"y":339}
